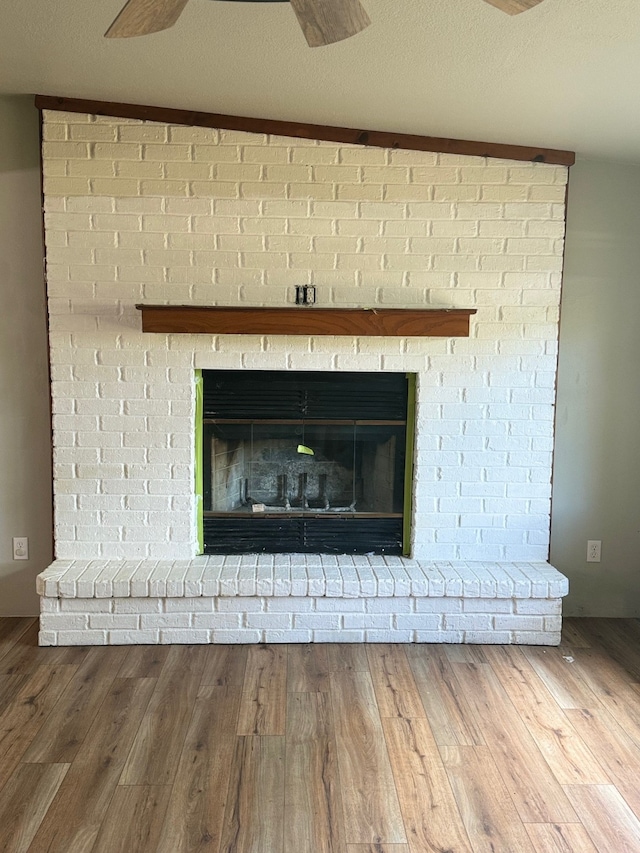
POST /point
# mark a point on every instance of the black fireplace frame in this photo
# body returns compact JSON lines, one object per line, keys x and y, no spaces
{"x":309,"y":397}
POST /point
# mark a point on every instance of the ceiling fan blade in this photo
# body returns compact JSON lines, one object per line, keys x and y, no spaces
{"x":513,"y":7}
{"x":327,"y":21}
{"x":142,"y":17}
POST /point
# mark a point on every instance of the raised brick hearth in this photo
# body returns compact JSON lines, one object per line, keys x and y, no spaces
{"x":297,"y":599}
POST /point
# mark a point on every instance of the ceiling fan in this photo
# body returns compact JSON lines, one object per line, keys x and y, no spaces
{"x":322,"y":21}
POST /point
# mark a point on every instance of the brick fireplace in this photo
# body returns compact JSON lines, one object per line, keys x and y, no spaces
{"x":143,"y":212}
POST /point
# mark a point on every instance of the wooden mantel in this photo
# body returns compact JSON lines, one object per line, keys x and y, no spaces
{"x":378,"y":322}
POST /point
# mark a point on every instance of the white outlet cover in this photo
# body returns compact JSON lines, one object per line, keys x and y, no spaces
{"x":20,"y":548}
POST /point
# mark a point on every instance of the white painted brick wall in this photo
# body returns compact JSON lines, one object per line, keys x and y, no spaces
{"x":146,"y":212}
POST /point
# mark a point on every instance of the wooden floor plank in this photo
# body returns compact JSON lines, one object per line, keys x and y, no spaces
{"x":609,"y":681}
{"x":614,"y":749}
{"x":620,"y":638}
{"x":351,"y":657}
{"x":536,"y":793}
{"x":36,"y":697}
{"x":11,"y":629}
{"x":431,"y":815}
{"x":313,"y":820}
{"x":156,"y":750}
{"x":565,"y":752}
{"x":487,"y":810}
{"x":264,"y":693}
{"x":23,"y":718}
{"x":607,"y":818}
{"x":377,"y":848}
{"x":18,"y":656}
{"x":573,"y":635}
{"x":10,"y":686}
{"x":25,"y":655}
{"x":224,"y":666}
{"x":447,"y":710}
{"x":560,"y":678}
{"x":74,"y":819}
{"x":560,"y":838}
{"x":307,"y":668}
{"x":65,"y":728}
{"x":371,"y":808}
{"x":133,"y":821}
{"x":24,"y":801}
{"x":195,"y":815}
{"x":604,"y":675}
{"x":144,"y":661}
{"x":455,"y":653}
{"x":393,"y":682}
{"x":254,"y":817}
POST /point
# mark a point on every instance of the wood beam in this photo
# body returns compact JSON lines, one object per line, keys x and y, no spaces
{"x":348,"y":136}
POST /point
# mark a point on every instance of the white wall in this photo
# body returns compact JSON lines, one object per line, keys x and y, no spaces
{"x":596,"y":491}
{"x":25,"y":445}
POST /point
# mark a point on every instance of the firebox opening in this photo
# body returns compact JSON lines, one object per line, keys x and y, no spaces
{"x":308,"y":462}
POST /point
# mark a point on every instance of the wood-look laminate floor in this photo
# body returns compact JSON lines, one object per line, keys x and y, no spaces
{"x":322,"y":749}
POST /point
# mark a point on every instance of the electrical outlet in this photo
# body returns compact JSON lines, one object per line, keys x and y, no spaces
{"x":20,"y":548}
{"x":305,"y":294}
{"x":594,"y":550}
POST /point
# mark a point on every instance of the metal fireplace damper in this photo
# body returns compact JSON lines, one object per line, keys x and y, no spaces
{"x":307,"y":462}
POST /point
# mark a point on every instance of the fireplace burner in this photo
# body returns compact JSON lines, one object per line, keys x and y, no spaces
{"x":304,"y":462}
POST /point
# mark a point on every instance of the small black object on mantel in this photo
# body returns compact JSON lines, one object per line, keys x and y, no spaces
{"x":305,"y":294}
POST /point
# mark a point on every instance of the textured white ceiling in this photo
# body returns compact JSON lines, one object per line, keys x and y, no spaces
{"x":564,"y":75}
